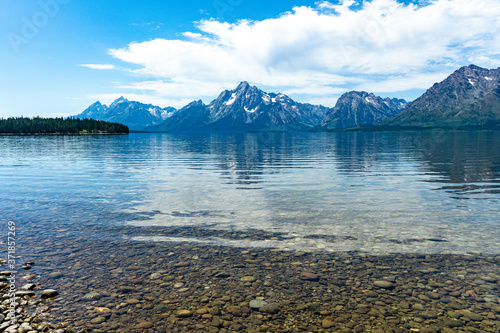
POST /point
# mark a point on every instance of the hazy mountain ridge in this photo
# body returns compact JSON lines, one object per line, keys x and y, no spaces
{"x":467,"y":98}
{"x":135,"y":115}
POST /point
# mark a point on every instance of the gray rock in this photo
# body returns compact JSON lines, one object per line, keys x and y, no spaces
{"x":49,"y":293}
{"x":4,"y":325}
{"x":25,"y":328}
{"x":22,"y":293}
{"x":257,"y":304}
{"x":162,"y":308}
{"x":29,"y":286}
{"x":155,"y":276}
{"x":11,"y":328}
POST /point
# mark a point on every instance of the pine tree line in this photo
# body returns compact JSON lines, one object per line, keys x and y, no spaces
{"x":37,"y":125}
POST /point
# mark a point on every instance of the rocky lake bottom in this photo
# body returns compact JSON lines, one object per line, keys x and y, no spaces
{"x":126,"y":286}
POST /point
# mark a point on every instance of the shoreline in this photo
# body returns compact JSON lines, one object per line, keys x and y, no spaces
{"x":124,"y":286}
{"x":60,"y":134}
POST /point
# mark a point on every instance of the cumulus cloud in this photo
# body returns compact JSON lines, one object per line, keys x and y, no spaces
{"x":379,"y":45}
{"x":96,"y":66}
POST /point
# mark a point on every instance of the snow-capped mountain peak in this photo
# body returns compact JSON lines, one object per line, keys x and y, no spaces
{"x":119,"y":100}
{"x":135,"y":115}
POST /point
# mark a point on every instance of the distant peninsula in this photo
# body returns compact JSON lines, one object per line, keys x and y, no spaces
{"x":59,"y":126}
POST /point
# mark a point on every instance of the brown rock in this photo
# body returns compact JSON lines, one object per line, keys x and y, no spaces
{"x":202,"y":311}
{"x":404,"y":305}
{"x":132,"y":301}
{"x":270,"y":308}
{"x":327,"y":323}
{"x":144,"y":325}
{"x":98,"y":320}
{"x":248,"y":279}
{"x":183,"y":313}
{"x":216,"y":322}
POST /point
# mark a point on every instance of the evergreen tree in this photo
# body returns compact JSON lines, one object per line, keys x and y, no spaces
{"x":37,"y":125}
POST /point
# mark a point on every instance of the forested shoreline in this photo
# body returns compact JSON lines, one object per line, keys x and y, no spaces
{"x":51,"y":126}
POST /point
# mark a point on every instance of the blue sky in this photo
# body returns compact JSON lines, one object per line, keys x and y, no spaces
{"x":59,"y":56}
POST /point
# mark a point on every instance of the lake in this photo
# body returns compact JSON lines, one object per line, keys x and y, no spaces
{"x":255,"y":232}
{"x":424,"y":192}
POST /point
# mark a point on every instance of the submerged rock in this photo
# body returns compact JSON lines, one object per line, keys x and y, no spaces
{"x":248,"y":279}
{"x":92,"y":295}
{"x":49,"y":293}
{"x":384,"y":284}
{"x":257,"y":304}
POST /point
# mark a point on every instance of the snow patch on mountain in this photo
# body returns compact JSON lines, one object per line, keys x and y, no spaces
{"x":231,"y":100}
{"x":251,"y":111}
{"x":369,"y":100}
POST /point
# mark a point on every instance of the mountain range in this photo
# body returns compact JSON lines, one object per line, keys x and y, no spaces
{"x":469,"y":97}
{"x":246,"y":108}
{"x":133,"y":114}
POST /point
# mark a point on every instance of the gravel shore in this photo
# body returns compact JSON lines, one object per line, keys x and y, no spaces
{"x":14,"y":316}
{"x":123,"y":286}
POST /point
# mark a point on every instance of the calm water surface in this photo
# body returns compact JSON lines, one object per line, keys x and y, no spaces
{"x":428,"y":192}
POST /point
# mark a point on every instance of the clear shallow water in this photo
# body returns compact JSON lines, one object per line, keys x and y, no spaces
{"x":431,"y":192}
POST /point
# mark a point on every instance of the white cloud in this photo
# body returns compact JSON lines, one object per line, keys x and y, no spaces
{"x":192,"y":35}
{"x":325,"y":101}
{"x":403,"y":83}
{"x":96,"y":66}
{"x":55,"y":115}
{"x":380,"y":45}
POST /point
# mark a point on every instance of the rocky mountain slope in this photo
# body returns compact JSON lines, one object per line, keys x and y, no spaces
{"x":361,"y":108}
{"x":469,"y":97}
{"x":246,"y":108}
